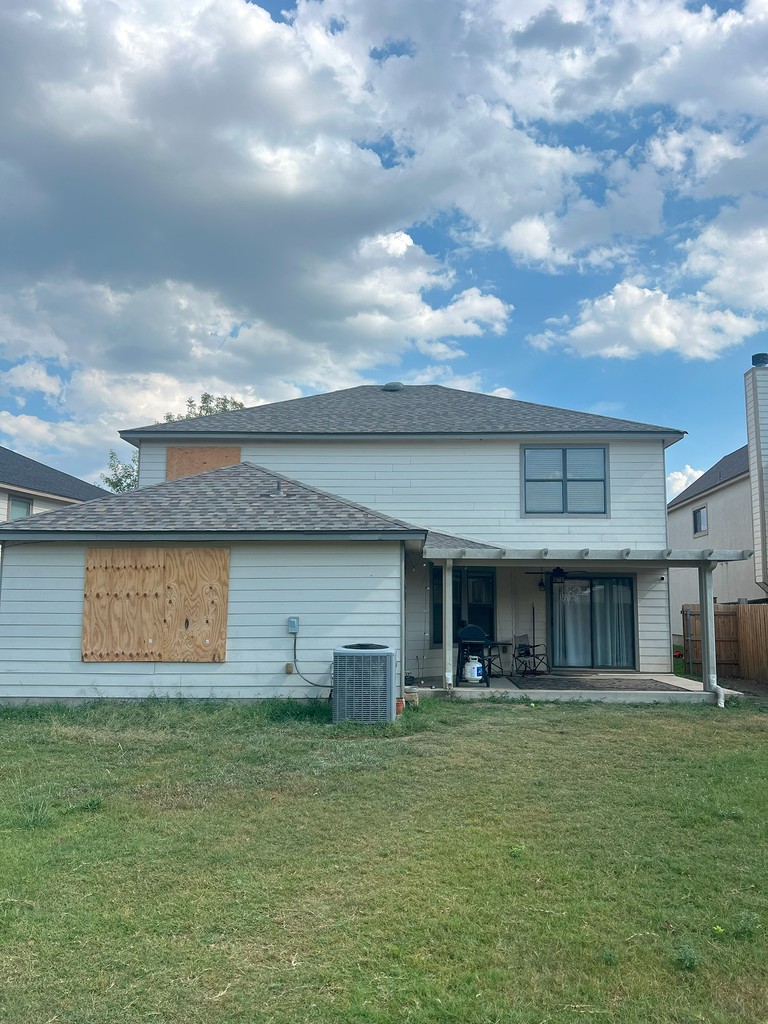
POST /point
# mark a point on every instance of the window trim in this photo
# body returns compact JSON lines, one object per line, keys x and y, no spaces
{"x":564,"y":448}
{"x":705,"y":531}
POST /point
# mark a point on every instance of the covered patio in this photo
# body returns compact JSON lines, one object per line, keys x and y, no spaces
{"x":648,"y":678}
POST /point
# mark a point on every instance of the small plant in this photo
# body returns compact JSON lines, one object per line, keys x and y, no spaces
{"x":609,"y":958}
{"x":687,"y":957}
{"x":746,"y":925}
{"x":35,"y":813}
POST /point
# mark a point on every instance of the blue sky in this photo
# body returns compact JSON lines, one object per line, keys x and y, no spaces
{"x":561,"y":204}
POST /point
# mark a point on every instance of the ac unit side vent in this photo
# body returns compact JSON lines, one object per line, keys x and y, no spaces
{"x":363,"y":683}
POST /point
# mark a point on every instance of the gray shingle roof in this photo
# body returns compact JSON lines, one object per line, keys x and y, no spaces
{"x":728,"y":468}
{"x":410,"y":409}
{"x":19,"y":471}
{"x":236,"y":499}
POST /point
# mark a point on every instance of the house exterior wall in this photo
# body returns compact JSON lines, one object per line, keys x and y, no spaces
{"x":469,"y":488}
{"x":729,"y":526}
{"x":40,"y":503}
{"x":343,"y":593}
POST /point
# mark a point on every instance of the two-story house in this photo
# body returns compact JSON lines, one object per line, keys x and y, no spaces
{"x":28,"y":487}
{"x":385,"y":514}
{"x":726,"y":508}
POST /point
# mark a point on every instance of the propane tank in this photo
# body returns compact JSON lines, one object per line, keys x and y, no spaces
{"x":473,"y":670}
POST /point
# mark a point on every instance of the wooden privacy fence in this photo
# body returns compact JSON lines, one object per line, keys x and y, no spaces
{"x":741,"y":640}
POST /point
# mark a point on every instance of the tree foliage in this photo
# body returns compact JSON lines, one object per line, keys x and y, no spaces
{"x":124,"y":476}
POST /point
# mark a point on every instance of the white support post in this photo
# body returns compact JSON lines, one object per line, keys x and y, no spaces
{"x":707,"y":612}
{"x":448,"y":623}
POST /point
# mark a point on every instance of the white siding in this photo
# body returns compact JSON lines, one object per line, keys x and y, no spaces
{"x":653,"y":637}
{"x":39,"y":502}
{"x":467,"y":488}
{"x":756,"y":393}
{"x":343,"y":593}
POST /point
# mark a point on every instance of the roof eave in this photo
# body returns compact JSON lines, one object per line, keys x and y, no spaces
{"x":208,"y":536}
{"x":669,"y":437}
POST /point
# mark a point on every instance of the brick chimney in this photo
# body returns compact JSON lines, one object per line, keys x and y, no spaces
{"x":756,"y":393}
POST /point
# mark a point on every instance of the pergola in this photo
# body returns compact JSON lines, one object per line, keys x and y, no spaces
{"x":667,"y":558}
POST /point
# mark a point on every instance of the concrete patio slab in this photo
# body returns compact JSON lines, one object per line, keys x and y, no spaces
{"x":687,"y":691}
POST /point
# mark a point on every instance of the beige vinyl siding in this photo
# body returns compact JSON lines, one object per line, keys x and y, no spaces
{"x":653,"y":636}
{"x":729,"y":516}
{"x":343,"y":593}
{"x":468,"y":488}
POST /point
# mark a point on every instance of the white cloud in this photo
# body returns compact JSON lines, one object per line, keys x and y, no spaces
{"x":731,"y":253}
{"x":632,"y":320}
{"x":194,"y":195}
{"x":679,"y":479}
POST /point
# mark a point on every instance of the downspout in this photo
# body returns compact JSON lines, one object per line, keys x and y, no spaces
{"x":708,"y":647}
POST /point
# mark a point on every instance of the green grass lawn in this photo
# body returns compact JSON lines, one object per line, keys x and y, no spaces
{"x":169,"y":862}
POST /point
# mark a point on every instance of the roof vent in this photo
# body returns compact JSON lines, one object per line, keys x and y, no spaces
{"x":395,"y":385}
{"x":760,"y":359}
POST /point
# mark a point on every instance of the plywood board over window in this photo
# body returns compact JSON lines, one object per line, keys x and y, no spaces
{"x":187,"y":460}
{"x":155,"y":604}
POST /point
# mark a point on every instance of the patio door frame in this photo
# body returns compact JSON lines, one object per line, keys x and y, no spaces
{"x":592,"y":578}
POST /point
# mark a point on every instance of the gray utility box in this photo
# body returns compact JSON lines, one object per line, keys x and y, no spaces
{"x":363,"y":683}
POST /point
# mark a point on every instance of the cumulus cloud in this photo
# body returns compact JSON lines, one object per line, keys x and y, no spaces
{"x":194,"y":196}
{"x":679,"y":479}
{"x":632,"y":320}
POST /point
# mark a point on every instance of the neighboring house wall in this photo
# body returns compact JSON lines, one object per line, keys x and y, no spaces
{"x":343,"y":593}
{"x":729,"y":526}
{"x":38,"y":502}
{"x":469,"y":488}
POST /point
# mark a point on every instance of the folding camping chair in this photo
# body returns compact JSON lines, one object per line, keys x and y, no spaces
{"x":529,"y":658}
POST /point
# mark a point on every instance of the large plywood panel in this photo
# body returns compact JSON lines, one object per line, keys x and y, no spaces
{"x":195,"y":611}
{"x":123,"y":604}
{"x":187,"y":460}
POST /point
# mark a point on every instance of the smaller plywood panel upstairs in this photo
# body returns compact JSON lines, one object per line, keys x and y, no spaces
{"x":123,"y":604}
{"x":195,"y":611}
{"x":187,"y":460}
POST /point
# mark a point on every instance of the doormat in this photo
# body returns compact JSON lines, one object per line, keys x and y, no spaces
{"x":591,"y":683}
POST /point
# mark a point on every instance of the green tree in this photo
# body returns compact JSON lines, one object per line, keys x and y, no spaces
{"x":124,"y":476}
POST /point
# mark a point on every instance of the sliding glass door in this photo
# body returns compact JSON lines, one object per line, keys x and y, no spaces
{"x":593,"y":622}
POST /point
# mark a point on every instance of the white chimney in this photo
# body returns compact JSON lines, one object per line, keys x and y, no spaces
{"x":756,"y":391}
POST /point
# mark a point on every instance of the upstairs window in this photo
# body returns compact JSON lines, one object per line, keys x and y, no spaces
{"x":700,"y":521}
{"x":19,"y":508}
{"x":565,"y":481}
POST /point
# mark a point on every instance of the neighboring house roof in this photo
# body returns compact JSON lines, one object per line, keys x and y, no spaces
{"x":26,"y":474}
{"x":728,"y":468}
{"x":398,"y":409}
{"x":242,"y":499}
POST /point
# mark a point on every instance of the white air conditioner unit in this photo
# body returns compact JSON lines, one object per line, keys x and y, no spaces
{"x":363,"y":683}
